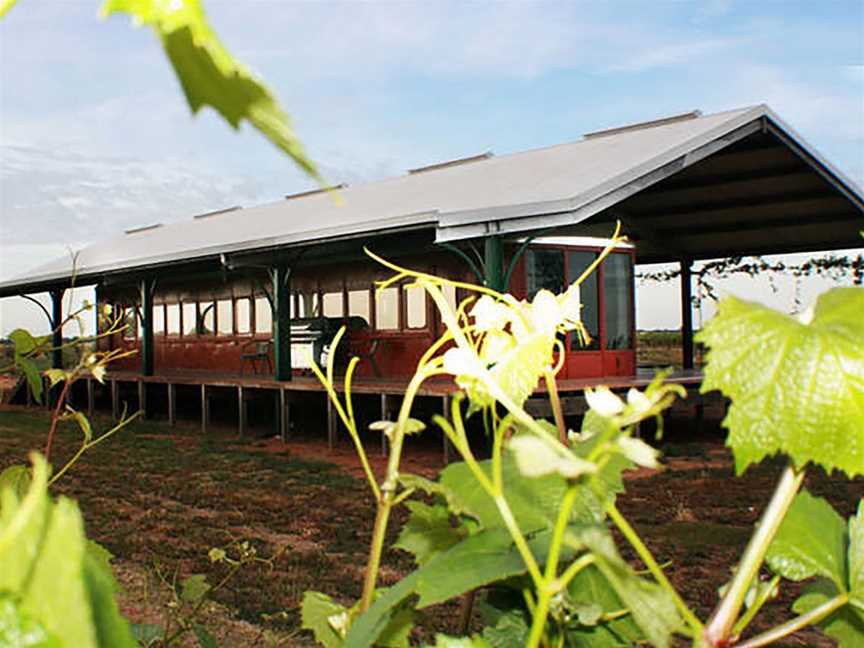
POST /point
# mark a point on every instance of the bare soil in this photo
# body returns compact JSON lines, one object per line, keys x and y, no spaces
{"x":159,"y":498}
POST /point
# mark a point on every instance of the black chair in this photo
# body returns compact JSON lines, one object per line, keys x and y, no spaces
{"x":256,"y":351}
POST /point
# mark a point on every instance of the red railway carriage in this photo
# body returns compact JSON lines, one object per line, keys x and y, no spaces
{"x":261,"y":290}
{"x":227,"y":326}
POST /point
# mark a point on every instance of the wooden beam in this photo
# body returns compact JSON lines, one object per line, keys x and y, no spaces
{"x":687,"y":182}
{"x":142,"y":398}
{"x":784,"y":198}
{"x":172,"y":404}
{"x":115,"y":400}
{"x":205,"y":409}
{"x":445,"y":412}
{"x":91,"y":397}
{"x":331,"y":424}
{"x":385,"y":416}
{"x":241,"y":412}
{"x":284,"y":415}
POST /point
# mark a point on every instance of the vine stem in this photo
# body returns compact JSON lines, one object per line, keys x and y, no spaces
{"x":388,"y":492}
{"x":550,"y":586}
{"x":555,"y":400}
{"x":55,"y":417}
{"x":720,"y":626}
{"x":793,"y":625}
{"x":656,"y":571}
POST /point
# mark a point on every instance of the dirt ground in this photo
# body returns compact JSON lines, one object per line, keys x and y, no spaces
{"x":160,"y":498}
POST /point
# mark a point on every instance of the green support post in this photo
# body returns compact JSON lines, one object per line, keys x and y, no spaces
{"x":280,"y":276}
{"x":493,"y":263}
{"x":57,"y":329}
{"x":147,"y":287}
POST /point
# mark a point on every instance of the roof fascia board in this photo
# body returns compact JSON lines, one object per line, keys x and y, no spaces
{"x":521,"y":218}
{"x":405,"y":223}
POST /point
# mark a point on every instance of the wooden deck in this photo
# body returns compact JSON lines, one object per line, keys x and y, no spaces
{"x":389,"y":392}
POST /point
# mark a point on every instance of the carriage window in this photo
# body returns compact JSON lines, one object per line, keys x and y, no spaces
{"x":190,"y":319}
{"x":577,"y":263}
{"x":263,"y":316}
{"x":159,"y":319}
{"x":172,"y":319}
{"x":387,"y":309}
{"x":545,"y":269}
{"x":358,"y":304}
{"x":333,"y":306}
{"x":207,"y":319}
{"x":450,"y":296}
{"x":617,"y":286}
{"x":415,"y":309}
{"x":224,"y":317}
{"x":308,"y":305}
{"x":243,"y":314}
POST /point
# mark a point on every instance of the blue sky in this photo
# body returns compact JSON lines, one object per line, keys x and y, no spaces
{"x":96,"y":138}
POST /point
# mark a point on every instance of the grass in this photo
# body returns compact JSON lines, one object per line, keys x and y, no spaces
{"x":162,"y":497}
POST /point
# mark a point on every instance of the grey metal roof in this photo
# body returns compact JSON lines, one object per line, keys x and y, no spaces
{"x":561,"y":185}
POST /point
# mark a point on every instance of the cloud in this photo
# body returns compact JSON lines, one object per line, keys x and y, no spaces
{"x":84,"y":197}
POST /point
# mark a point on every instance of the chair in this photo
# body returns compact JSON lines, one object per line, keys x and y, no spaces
{"x":255,"y":351}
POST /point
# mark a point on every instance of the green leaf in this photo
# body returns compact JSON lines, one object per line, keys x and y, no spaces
{"x":45,"y":563}
{"x":24,"y":343}
{"x":796,"y":386}
{"x":445,"y":641}
{"x":17,"y":479}
{"x":147,"y":634}
{"x":507,"y":622}
{"x":428,"y":532}
{"x":846,"y":625}
{"x":856,"y":556}
{"x":83,"y":423}
{"x":194,"y":588}
{"x":367,"y":628}
{"x":537,"y":456}
{"x":590,"y":587}
{"x":5,"y":6}
{"x":480,"y":559}
{"x":209,"y":74}
{"x":811,"y":542}
{"x":205,"y":639}
{"x":55,"y":376}
{"x":398,"y":630}
{"x":31,"y":373}
{"x":651,"y":606}
{"x":316,"y":614}
{"x":18,"y":630}
{"x":56,"y":592}
{"x":111,"y":628}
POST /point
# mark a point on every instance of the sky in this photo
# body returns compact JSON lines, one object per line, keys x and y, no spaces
{"x":95,"y":136}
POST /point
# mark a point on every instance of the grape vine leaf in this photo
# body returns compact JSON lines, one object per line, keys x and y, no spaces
{"x":810,"y":542}
{"x":796,"y":384}
{"x":316,"y":613}
{"x":846,"y":625}
{"x":209,"y":74}
{"x":428,"y":532}
{"x":59,"y":585}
